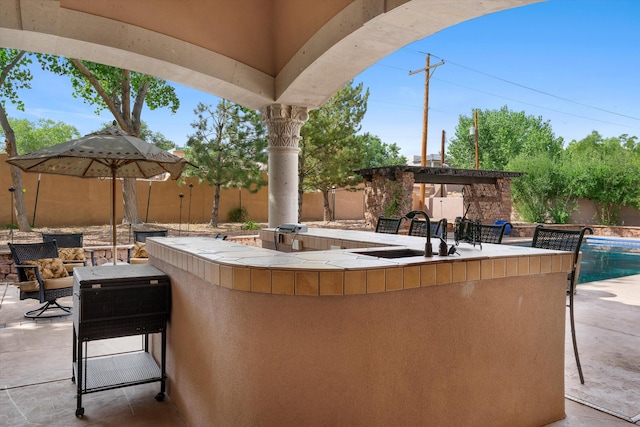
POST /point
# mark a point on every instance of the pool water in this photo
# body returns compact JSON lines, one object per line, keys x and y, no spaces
{"x":608,"y":257}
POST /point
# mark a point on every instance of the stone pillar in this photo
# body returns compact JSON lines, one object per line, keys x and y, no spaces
{"x":387,"y":195}
{"x":489,"y":202}
{"x":283,"y":123}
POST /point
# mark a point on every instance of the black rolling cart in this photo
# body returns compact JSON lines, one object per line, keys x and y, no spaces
{"x":118,"y":301}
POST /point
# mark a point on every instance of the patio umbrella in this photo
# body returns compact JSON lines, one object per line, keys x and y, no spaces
{"x":107,"y":153}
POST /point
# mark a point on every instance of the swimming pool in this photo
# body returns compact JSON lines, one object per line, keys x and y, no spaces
{"x":608,"y":257}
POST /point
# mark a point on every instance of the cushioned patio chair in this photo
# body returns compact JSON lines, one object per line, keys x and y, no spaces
{"x":70,"y":249}
{"x":388,"y":225}
{"x":42,"y":276}
{"x":418,"y":227}
{"x":138,"y":254}
{"x":570,"y":241}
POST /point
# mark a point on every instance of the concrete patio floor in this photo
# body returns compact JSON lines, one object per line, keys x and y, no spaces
{"x":36,"y":387}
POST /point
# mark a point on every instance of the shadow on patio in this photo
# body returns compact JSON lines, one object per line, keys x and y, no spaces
{"x":36,"y":386}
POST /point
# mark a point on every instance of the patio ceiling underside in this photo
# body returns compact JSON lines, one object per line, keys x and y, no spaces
{"x":253,"y":52}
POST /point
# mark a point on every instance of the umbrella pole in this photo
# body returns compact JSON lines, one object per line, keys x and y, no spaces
{"x":35,"y":206}
{"x":113,"y":214}
{"x":146,"y":218}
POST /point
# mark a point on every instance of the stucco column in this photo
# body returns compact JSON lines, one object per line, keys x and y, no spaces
{"x":283,"y":124}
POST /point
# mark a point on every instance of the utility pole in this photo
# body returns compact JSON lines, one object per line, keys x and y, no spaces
{"x":475,"y":126}
{"x":425,"y":117}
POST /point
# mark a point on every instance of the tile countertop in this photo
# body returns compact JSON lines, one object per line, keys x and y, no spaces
{"x":234,"y":254}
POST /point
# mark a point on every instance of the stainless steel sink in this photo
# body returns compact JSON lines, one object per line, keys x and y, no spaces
{"x":392,"y":253}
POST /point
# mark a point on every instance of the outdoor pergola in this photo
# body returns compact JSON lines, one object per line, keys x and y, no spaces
{"x":439,"y":175}
{"x":487,"y":191}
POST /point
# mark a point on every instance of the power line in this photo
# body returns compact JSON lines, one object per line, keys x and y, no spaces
{"x":535,"y":105}
{"x":533,"y":89}
{"x":516,"y":100}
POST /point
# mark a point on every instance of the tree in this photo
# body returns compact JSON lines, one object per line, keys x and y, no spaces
{"x":543,"y":193}
{"x":32,"y":136}
{"x":377,"y":153}
{"x":518,"y":142}
{"x":502,"y":135}
{"x":155,"y":138}
{"x":329,"y":148}
{"x":123,"y":93}
{"x":14,"y":75}
{"x":229,"y":148}
{"x":606,"y":171}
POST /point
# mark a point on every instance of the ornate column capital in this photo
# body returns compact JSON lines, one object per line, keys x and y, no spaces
{"x":284,"y":123}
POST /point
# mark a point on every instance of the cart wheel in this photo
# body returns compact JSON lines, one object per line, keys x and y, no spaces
{"x":160,"y":397}
{"x":79,"y":412}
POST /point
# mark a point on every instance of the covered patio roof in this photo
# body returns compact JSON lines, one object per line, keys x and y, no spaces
{"x":252,"y":52}
{"x":439,"y":175}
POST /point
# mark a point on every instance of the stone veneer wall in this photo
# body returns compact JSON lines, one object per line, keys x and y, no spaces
{"x":489,"y":202}
{"x":382,"y":192}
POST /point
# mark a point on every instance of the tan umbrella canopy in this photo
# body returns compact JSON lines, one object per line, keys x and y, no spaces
{"x":107,"y":153}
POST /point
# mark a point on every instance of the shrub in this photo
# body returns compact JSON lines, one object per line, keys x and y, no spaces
{"x":250,"y":225}
{"x":238,"y":215}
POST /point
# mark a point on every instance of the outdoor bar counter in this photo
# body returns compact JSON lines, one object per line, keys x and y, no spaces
{"x":327,"y":336}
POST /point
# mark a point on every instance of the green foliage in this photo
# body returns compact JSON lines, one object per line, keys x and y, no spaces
{"x":514,"y":141}
{"x":14,"y":75}
{"x":502,"y":135}
{"x":238,"y":214}
{"x":116,"y":87}
{"x":329,"y":147}
{"x":250,"y":225}
{"x":155,"y":138}
{"x":229,"y":148}
{"x":32,"y":136}
{"x":376,"y":153}
{"x":606,"y":171}
{"x":542,"y":194}
{"x":393,"y":208}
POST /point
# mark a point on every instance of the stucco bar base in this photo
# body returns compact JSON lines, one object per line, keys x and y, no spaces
{"x":481,"y":353}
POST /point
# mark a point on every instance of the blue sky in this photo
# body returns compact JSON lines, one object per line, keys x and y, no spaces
{"x":575,"y":63}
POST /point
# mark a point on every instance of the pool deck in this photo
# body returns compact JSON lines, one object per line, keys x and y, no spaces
{"x":36,"y":387}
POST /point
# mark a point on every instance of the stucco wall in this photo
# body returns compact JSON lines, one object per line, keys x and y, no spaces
{"x":478,"y":353}
{"x":68,"y":201}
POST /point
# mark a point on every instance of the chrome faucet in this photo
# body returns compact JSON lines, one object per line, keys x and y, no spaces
{"x":428,"y":249}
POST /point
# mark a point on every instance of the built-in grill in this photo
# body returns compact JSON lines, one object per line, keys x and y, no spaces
{"x":117,"y":301}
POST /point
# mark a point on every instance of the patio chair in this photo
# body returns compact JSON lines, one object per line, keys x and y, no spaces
{"x":418,"y":228}
{"x":492,"y":233}
{"x":70,"y":249}
{"x":570,"y":241}
{"x":388,"y":225}
{"x":140,"y":255}
{"x":42,"y":276}
{"x":467,"y":231}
